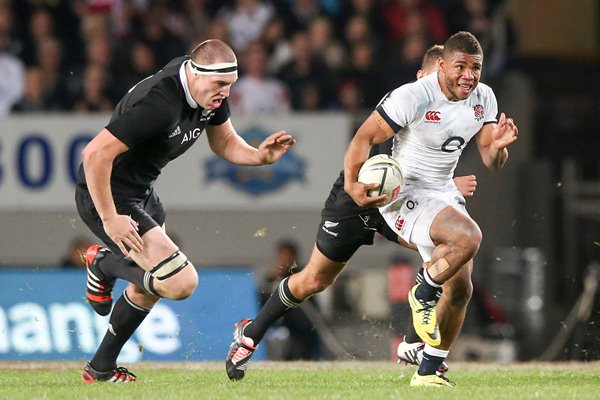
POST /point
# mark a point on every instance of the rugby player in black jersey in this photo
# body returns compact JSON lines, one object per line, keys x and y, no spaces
{"x":155,"y":122}
{"x":345,"y":226}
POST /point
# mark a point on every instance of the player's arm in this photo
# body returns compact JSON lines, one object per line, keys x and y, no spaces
{"x":373,"y":131}
{"x":493,"y":139}
{"x":98,"y":157}
{"x":226,"y":143}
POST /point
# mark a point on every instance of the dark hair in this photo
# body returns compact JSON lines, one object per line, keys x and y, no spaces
{"x":463,"y":42}
{"x":431,"y":56}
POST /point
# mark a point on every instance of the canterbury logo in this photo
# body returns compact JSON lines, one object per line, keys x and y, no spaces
{"x":432,"y":116}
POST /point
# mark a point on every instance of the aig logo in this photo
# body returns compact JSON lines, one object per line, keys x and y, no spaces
{"x":433,"y":117}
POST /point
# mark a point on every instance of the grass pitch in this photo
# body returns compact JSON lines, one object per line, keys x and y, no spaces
{"x":303,"y":380}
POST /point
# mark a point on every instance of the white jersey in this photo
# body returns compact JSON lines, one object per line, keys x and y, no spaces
{"x":432,"y":131}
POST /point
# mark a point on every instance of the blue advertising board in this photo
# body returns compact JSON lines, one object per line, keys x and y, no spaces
{"x":44,"y":316}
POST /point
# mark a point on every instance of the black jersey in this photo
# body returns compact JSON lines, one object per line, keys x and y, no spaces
{"x":340,"y":204}
{"x":158,"y":120}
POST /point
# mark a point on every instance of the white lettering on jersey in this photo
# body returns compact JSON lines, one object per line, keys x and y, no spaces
{"x":193,"y":134}
{"x":434,"y":131}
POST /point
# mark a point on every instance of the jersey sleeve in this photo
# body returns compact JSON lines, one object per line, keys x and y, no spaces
{"x":491,"y":107}
{"x":152,"y":115}
{"x":398,"y":108}
{"x":221,"y":115}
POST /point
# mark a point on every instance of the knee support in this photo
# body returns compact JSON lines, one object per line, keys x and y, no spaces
{"x":170,"y":266}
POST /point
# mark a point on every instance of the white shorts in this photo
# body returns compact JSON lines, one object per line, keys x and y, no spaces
{"x":413,"y":212}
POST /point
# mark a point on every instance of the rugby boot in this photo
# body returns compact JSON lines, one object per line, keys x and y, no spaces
{"x":412,"y":354}
{"x":118,"y":375}
{"x":436,"y":380}
{"x":424,"y":318}
{"x":99,"y":289}
{"x":240,"y":352}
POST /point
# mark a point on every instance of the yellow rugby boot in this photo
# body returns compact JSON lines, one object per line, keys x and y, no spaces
{"x":424,"y":318}
{"x":436,"y":380}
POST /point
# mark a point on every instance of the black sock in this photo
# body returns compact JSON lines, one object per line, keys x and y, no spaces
{"x":427,"y":289}
{"x":430,"y":364}
{"x":124,"y":320}
{"x":278,"y":304}
{"x":411,"y":335}
{"x":113,"y":266}
{"x":420,"y":278}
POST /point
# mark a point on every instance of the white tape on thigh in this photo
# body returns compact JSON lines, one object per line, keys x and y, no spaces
{"x":170,"y":266}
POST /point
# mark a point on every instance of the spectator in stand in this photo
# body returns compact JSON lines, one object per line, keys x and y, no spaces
{"x":142,"y":64}
{"x":320,"y":32}
{"x":278,"y":46}
{"x":404,"y":59}
{"x":256,"y":92}
{"x":33,"y":97}
{"x":12,"y":83}
{"x":164,"y":44}
{"x":302,"y":13}
{"x":217,"y":29}
{"x":126,"y":17}
{"x":349,"y":96}
{"x":41,"y":28}
{"x":246,"y":21}
{"x":489,"y":23}
{"x":98,"y":52}
{"x":50,"y":61}
{"x":358,"y":30}
{"x":359,"y":76}
{"x":371,"y":10}
{"x":9,"y":40}
{"x":192,"y":20}
{"x":309,"y":79}
{"x":398,"y":12}
{"x":94,"y":96}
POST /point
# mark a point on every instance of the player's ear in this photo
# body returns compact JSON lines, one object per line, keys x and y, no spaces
{"x":420,"y":74}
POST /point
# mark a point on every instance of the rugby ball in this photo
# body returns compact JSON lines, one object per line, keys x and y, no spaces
{"x":385,"y":171}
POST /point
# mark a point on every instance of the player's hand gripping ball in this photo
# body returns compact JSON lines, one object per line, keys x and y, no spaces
{"x":385,"y":171}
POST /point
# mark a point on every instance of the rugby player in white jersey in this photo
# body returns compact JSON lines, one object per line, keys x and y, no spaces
{"x":431,"y":121}
{"x":345,"y":226}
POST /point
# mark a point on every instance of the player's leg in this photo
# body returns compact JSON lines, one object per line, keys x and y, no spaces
{"x":449,"y":266}
{"x":410,"y":349}
{"x":129,"y":312}
{"x":457,"y":238}
{"x":160,"y":261}
{"x":452,"y":306}
{"x":451,"y":311}
{"x":337,"y":240}
{"x":174,"y":278}
{"x":318,"y":274}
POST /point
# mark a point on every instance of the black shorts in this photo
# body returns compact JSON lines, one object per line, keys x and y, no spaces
{"x":148,"y":212}
{"x":339,"y":237}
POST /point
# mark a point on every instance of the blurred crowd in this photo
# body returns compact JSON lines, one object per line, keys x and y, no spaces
{"x":83,"y":55}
